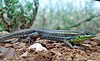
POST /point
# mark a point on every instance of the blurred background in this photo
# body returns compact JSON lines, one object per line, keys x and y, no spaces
{"x":51,"y":14}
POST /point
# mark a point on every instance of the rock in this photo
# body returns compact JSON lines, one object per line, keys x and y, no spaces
{"x":7,"y":52}
{"x":37,"y":47}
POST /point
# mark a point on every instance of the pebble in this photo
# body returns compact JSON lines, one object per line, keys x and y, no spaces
{"x":7,"y":52}
{"x":37,"y":47}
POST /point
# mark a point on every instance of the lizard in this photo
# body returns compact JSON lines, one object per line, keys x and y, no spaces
{"x":57,"y":35}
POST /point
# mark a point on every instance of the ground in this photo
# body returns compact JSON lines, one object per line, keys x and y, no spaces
{"x":57,"y":51}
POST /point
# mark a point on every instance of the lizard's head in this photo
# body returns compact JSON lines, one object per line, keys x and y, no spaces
{"x":83,"y":36}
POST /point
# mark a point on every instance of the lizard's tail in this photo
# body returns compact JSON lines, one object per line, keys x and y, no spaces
{"x":6,"y":37}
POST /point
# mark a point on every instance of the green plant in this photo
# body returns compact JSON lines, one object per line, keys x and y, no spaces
{"x":15,"y":16}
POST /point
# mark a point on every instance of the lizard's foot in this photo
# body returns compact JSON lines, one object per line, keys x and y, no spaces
{"x":31,"y":37}
{"x":78,"y":47}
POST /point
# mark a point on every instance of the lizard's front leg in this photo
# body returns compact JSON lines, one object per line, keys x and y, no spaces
{"x":68,"y":43}
{"x":31,"y":36}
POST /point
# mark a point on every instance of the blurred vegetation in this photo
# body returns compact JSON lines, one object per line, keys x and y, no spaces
{"x":55,"y":14}
{"x":69,"y":15}
{"x":15,"y":16}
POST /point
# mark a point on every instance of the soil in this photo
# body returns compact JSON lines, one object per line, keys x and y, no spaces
{"x":57,"y":51}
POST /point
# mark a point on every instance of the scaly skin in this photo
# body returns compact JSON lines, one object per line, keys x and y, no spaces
{"x":27,"y":32}
{"x":67,"y":40}
{"x":57,"y":35}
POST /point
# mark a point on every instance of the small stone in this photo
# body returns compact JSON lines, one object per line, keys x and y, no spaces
{"x":37,"y":47}
{"x":10,"y":53}
{"x":7,"y":52}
